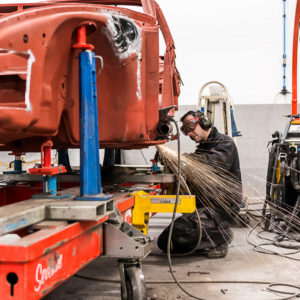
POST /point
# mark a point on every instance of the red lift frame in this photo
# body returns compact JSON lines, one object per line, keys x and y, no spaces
{"x":40,"y":261}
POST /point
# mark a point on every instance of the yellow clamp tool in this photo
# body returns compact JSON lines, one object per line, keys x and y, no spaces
{"x":146,"y":204}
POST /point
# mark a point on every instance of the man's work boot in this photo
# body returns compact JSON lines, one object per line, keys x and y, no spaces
{"x":218,"y":252}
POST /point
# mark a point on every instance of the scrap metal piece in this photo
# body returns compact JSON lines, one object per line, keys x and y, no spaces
{"x":189,"y":273}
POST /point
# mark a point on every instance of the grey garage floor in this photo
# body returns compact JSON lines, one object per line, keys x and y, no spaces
{"x":242,"y":264}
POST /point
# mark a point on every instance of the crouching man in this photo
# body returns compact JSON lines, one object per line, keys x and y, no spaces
{"x":216,"y":148}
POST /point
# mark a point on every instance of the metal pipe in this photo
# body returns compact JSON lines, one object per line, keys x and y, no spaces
{"x":164,"y":128}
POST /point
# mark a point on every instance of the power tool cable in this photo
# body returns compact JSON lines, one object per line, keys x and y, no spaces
{"x":173,"y":217}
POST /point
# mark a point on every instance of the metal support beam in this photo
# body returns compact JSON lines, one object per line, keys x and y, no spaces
{"x":22,"y":214}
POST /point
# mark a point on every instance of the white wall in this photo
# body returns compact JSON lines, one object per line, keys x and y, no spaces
{"x":237,"y":42}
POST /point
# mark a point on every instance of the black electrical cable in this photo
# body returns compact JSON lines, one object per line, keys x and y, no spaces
{"x":174,"y":214}
{"x":282,"y":237}
{"x":259,"y":247}
{"x":282,"y":243}
{"x":293,"y":295}
{"x":194,"y":249}
{"x":200,"y":229}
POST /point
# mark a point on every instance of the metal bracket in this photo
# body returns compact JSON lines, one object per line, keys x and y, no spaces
{"x":101,"y":64}
{"x":124,"y":241}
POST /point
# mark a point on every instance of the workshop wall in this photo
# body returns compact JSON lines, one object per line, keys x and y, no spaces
{"x":239,"y":43}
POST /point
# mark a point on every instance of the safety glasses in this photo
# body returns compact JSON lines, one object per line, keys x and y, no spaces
{"x":189,"y":126}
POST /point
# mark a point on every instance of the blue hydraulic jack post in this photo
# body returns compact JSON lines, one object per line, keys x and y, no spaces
{"x":90,"y":175}
{"x":235,"y":132}
{"x":17,"y":164}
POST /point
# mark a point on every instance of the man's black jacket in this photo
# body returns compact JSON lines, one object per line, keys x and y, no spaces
{"x":215,"y":229}
{"x":221,"y":148}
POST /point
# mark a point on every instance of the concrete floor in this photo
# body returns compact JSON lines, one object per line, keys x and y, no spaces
{"x":241,"y":264}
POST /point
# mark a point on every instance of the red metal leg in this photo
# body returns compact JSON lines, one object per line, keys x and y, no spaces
{"x":295,"y":59}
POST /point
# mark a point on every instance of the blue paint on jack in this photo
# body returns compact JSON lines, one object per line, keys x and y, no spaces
{"x":15,"y":225}
{"x":52,"y":184}
{"x":90,"y":178}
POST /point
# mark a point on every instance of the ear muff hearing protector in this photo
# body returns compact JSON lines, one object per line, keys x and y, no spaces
{"x":203,"y":120}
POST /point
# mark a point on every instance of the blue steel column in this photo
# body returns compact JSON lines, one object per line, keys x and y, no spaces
{"x":90,"y":180}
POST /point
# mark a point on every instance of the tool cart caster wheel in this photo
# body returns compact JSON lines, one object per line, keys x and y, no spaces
{"x":134,"y":284}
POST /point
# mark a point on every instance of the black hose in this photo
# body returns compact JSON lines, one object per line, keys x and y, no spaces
{"x":173,"y":217}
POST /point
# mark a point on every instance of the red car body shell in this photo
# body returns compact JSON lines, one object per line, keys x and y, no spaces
{"x":39,"y":78}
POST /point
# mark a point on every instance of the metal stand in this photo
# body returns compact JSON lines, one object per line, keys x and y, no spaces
{"x":17,"y":164}
{"x":49,"y":173}
{"x":218,"y":96}
{"x":90,"y":178}
{"x":283,"y":181}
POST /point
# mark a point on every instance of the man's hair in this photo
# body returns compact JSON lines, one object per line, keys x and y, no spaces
{"x":194,"y":113}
